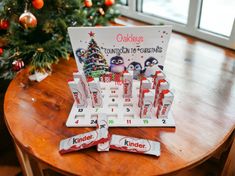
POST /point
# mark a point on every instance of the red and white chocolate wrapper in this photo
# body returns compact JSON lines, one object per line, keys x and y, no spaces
{"x":145,"y":83}
{"x":127,"y":84}
{"x":158,"y":76}
{"x":95,"y":91}
{"x":102,"y":128}
{"x":130,"y":144}
{"x":79,"y":142}
{"x":78,"y":93}
{"x":83,"y":82}
{"x":147,"y":104}
{"x":166,"y":98}
{"x":162,"y":85}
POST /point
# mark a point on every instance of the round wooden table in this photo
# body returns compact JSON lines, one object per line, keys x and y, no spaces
{"x":203,"y":109}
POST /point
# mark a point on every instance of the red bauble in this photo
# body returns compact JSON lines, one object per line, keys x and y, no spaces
{"x":88,"y":3}
{"x":4,"y":24}
{"x":28,"y":20}
{"x":17,"y":65}
{"x":1,"y":51}
{"x":37,"y":4}
{"x":109,"y":2}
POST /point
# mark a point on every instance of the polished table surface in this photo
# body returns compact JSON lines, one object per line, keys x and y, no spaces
{"x":202,"y":77}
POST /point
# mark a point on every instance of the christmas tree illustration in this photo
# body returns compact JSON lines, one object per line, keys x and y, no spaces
{"x":95,"y":63}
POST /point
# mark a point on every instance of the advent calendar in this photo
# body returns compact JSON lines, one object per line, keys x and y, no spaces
{"x":120,"y":73}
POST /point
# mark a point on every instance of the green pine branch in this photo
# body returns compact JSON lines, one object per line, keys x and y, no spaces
{"x":48,"y":42}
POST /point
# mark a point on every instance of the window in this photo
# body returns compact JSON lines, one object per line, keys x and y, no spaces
{"x":124,"y":2}
{"x":175,"y":10}
{"x":210,"y":20}
{"x":217,"y":16}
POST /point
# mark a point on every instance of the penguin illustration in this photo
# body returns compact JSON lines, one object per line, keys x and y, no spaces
{"x":80,"y":53}
{"x":136,"y":68}
{"x":151,"y":66}
{"x":117,"y":64}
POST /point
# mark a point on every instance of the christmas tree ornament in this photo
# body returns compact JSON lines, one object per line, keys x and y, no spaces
{"x":88,"y":3}
{"x":109,"y":2}
{"x":101,"y":10}
{"x":1,"y":51}
{"x":4,"y":24}
{"x":28,"y":20}
{"x":37,"y":4}
{"x":17,"y":65}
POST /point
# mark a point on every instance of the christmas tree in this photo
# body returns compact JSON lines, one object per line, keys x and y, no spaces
{"x":95,"y":63}
{"x":35,"y":32}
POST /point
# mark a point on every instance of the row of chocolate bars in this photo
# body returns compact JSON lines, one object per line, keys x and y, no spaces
{"x":154,"y":93}
{"x":104,"y":141}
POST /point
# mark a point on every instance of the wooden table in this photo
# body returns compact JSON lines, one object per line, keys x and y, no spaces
{"x":203,"y":109}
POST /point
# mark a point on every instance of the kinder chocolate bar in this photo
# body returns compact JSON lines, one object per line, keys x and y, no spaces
{"x":127,"y":84}
{"x":95,"y":91}
{"x":147,"y":104}
{"x":162,"y":85}
{"x":158,"y":76}
{"x":78,"y":93}
{"x":130,"y":144}
{"x":103,"y":133}
{"x":79,"y":142}
{"x":164,"y":104}
{"x":83,"y":82}
{"x":145,"y":83}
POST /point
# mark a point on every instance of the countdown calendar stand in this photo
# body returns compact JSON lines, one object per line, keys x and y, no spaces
{"x":134,"y":48}
{"x":121,"y":112}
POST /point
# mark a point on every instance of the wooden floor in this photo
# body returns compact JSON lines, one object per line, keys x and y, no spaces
{"x":9,"y":165}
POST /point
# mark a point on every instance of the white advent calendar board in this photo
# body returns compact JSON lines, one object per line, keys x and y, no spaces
{"x":114,"y":50}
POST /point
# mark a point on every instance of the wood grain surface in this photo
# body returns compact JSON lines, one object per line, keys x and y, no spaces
{"x":203,"y":79}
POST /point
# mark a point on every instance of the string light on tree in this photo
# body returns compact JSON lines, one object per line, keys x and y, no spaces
{"x":37,"y":4}
{"x":101,"y":10}
{"x":88,"y":3}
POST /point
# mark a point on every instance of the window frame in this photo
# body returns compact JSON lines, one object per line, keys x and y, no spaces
{"x":133,"y":10}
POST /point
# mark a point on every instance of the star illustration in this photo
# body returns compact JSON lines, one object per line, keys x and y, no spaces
{"x":92,"y":34}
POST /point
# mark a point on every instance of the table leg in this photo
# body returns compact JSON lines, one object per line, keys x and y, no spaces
{"x":229,"y":167}
{"x":29,"y":166}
